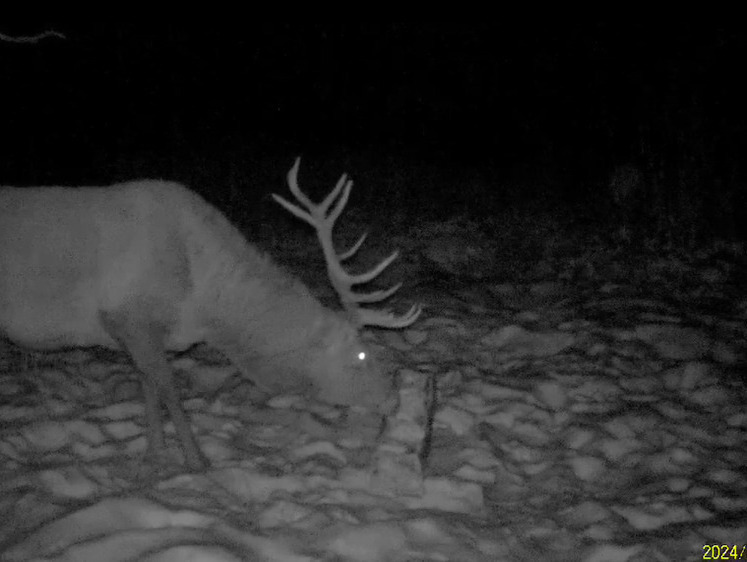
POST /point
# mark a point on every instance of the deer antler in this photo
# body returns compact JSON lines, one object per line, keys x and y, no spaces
{"x":317,"y":215}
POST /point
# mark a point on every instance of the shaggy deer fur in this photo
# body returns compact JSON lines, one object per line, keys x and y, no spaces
{"x":149,"y":266}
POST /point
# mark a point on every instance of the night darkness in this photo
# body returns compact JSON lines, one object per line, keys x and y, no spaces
{"x":442,"y":118}
{"x":559,"y":373}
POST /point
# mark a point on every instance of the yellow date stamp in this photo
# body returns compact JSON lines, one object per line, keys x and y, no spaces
{"x":724,"y":552}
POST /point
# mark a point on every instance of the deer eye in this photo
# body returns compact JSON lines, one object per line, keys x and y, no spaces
{"x":361,"y":356}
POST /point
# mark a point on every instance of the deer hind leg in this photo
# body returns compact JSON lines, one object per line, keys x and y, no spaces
{"x":143,"y":341}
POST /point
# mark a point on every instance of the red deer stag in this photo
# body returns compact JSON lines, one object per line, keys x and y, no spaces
{"x":150,"y":267}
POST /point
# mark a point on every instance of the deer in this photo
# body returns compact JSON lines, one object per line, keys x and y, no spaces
{"x":150,"y":267}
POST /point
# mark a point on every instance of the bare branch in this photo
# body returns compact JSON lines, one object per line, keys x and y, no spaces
{"x":31,"y":38}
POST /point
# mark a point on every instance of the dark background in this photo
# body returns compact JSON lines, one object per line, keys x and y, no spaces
{"x":431,"y":119}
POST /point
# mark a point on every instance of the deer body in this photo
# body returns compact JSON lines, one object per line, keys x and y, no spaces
{"x":150,"y":266}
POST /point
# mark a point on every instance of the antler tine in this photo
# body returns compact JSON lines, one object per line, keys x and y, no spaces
{"x":293,"y":185}
{"x":341,"y":202}
{"x":387,"y":319}
{"x":376,"y":296}
{"x":305,"y":201}
{"x":315,"y":213}
{"x":294,"y":209}
{"x":373,"y":273}
{"x":351,"y":252}
{"x":323,"y":221}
